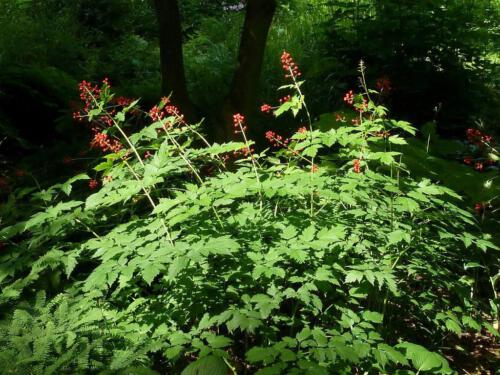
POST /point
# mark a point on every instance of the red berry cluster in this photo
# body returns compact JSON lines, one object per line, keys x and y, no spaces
{"x":482,"y":145}
{"x":289,"y":66}
{"x":103,"y":141}
{"x":482,"y":207}
{"x":265,"y":108}
{"x":349,"y":97}
{"x":157,"y":113}
{"x":292,"y":71}
{"x":123,"y":101}
{"x":108,"y":119}
{"x":382,"y":134}
{"x":246,"y":151}
{"x":285,"y":99}
{"x":172,"y":110}
{"x":478,"y":138}
{"x":276,"y":139}
{"x":93,"y":184}
{"x":89,"y":94}
{"x":239,"y":123}
{"x":357,"y":166}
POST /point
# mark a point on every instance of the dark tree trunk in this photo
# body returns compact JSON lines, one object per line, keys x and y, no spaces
{"x":171,"y":58}
{"x":244,"y":87}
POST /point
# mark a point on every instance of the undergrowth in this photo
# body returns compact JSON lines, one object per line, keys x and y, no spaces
{"x":322,"y":256}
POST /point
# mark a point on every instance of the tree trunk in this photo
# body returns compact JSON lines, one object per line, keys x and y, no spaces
{"x":244,"y":87}
{"x":171,"y":58}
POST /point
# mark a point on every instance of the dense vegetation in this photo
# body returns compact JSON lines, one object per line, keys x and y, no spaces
{"x":352,"y":227}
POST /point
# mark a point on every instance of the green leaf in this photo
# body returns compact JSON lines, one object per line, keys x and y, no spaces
{"x":394,"y":355}
{"x":353,"y":276}
{"x":260,"y":354}
{"x":122,"y":359}
{"x":397,"y":236}
{"x":304,"y":334}
{"x":221,"y":245}
{"x":176,"y":267}
{"x":217,"y":342}
{"x":491,"y":329}
{"x":173,"y":352}
{"x":424,"y":360}
{"x":211,"y":364}
{"x":397,"y":140}
{"x":372,"y":316}
{"x":289,"y":232}
{"x":70,"y":264}
{"x":426,"y":188}
{"x":150,"y":272}
{"x":265,"y":304}
{"x":453,"y":326}
{"x":406,"y":204}
{"x":120,"y":117}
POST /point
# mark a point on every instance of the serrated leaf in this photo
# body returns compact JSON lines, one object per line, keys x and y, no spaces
{"x":150,"y":271}
{"x":453,"y":326}
{"x":397,"y":236}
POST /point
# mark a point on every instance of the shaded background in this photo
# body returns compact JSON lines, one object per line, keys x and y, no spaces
{"x":440,"y":57}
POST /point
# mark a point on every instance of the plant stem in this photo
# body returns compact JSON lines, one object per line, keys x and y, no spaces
{"x":190,"y":165}
{"x":254,"y":164}
{"x":311,"y":135}
{"x":149,"y":199}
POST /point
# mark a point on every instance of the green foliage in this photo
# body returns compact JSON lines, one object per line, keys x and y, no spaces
{"x":439,"y":68}
{"x":324,"y":257}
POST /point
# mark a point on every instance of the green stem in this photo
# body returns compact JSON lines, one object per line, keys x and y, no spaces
{"x":190,"y":165}
{"x":254,"y":164}
{"x":311,"y":135}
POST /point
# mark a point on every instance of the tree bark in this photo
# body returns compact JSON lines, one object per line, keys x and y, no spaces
{"x":171,"y":58}
{"x":244,"y":87}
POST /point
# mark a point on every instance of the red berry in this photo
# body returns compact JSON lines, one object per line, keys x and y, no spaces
{"x":265,"y":108}
{"x":289,"y":66}
{"x":357,"y":166}
{"x":93,"y":184}
{"x":349,"y":97}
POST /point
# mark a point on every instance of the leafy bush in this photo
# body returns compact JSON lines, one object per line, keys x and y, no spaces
{"x":322,"y":257}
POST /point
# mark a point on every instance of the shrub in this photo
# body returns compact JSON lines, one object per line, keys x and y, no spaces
{"x":322,"y":257}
